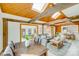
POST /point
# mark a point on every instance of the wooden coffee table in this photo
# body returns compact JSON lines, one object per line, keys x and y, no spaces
{"x":36,"y":50}
{"x":57,"y":44}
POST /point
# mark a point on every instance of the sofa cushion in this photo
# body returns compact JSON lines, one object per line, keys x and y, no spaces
{"x":7,"y":54}
{"x":13,"y":44}
{"x":8,"y":51}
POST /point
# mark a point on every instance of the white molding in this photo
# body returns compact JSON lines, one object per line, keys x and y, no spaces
{"x":10,"y":16}
{"x":60,"y":20}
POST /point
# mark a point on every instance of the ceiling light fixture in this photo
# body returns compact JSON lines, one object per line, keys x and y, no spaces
{"x":39,"y":7}
{"x":56,"y":15}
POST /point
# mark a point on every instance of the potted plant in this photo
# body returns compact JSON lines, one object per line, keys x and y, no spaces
{"x":27,"y":41}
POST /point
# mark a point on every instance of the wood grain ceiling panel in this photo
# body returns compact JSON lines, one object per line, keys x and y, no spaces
{"x":46,"y":19}
{"x":20,"y":9}
{"x":25,"y":10}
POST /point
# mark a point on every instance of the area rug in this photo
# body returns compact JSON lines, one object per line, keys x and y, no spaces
{"x":59,"y":52}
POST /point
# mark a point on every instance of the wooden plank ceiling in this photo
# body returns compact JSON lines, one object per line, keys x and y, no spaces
{"x":46,"y":19}
{"x":20,"y":9}
{"x":25,"y":10}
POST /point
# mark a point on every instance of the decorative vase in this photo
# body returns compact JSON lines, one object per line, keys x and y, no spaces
{"x":27,"y":43}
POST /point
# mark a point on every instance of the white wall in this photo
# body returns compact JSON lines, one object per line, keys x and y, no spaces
{"x":13,"y":31}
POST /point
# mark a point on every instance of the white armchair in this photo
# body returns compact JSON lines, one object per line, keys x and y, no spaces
{"x":43,"y":40}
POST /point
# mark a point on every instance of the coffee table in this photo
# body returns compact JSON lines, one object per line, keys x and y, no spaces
{"x":34,"y":50}
{"x":57,"y":44}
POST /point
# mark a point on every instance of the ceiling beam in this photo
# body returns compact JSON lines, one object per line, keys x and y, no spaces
{"x":10,"y":16}
{"x":22,"y":21}
{"x":74,"y":17}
